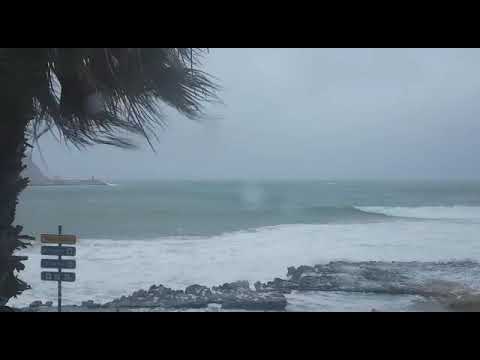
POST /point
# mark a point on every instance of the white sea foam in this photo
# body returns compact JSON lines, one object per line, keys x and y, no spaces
{"x":428,"y":212}
{"x":110,"y":268}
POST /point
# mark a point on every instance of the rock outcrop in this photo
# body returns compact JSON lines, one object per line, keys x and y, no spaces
{"x":236,"y":295}
{"x":393,"y":278}
{"x":426,"y":279}
{"x":37,"y":178}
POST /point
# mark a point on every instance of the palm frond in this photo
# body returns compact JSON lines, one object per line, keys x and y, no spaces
{"x":90,"y":95}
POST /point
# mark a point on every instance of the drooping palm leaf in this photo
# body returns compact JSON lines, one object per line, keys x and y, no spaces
{"x":92,"y":94}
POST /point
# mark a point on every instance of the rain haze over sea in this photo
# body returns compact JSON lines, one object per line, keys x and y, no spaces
{"x":316,"y":155}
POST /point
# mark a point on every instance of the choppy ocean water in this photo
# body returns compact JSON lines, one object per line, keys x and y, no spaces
{"x":136,"y":234}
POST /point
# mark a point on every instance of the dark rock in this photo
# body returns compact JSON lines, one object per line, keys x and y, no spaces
{"x":161,"y":291}
{"x":311,"y":282}
{"x":291,"y":270}
{"x":467,"y":303}
{"x":7,"y":309}
{"x":140,"y":293}
{"x":372,"y":277}
{"x":296,"y":273}
{"x":188,"y":301}
{"x":90,"y":304}
{"x":280,"y":285}
{"x":252,"y":300}
{"x":236,"y":295}
{"x":198,"y":290}
{"x":233,"y":286}
{"x":163,"y":297}
{"x":36,"y":303}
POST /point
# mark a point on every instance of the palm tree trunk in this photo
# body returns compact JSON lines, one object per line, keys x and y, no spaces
{"x":14,"y":118}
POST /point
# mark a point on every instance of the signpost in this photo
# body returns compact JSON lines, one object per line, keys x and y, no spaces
{"x":59,"y":239}
{"x":59,"y":250}
{"x":55,"y":276}
{"x":58,"y":263}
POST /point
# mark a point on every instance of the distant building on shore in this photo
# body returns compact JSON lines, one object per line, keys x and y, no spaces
{"x":37,"y":178}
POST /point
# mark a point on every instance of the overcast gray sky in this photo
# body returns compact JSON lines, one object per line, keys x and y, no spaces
{"x":313,"y":113}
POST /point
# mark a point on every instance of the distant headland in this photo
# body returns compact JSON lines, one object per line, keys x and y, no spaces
{"x":37,"y":178}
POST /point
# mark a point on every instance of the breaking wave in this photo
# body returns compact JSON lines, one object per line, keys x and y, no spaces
{"x":427,"y":212}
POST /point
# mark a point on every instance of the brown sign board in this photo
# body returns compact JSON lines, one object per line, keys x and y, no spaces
{"x":58,"y":239}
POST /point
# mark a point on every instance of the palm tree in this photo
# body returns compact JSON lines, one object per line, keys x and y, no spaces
{"x":91,"y":96}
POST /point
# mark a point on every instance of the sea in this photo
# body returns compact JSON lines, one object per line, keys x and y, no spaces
{"x":133,"y":234}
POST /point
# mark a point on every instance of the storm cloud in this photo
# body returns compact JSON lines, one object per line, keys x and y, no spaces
{"x":312,"y":113}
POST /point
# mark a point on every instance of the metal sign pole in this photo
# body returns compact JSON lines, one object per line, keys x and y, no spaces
{"x":58,"y":263}
{"x":60,"y":275}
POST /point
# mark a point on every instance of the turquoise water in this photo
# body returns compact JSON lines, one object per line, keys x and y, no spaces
{"x":136,"y":234}
{"x":142,"y":210}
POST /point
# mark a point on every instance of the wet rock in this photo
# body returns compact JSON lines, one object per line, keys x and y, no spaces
{"x":7,"y":309}
{"x":252,"y":300}
{"x":427,"y":279}
{"x":198,"y":290}
{"x":258,"y":286}
{"x":277,"y":285}
{"x":321,"y":282}
{"x":394,"y":278}
{"x":90,"y":304}
{"x":290,"y":271}
{"x":140,"y":293}
{"x":163,"y":297}
{"x":338,"y":276}
{"x":188,"y":301}
{"x":236,"y":295}
{"x":36,"y":304}
{"x":233,"y":286}
{"x":296,"y":273}
{"x":467,"y":303}
{"x":162,"y":291}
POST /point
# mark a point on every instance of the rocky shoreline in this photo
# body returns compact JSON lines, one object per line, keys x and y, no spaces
{"x":229,"y":296}
{"x":367,"y":277}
